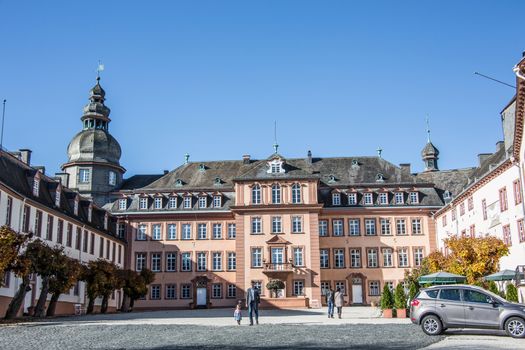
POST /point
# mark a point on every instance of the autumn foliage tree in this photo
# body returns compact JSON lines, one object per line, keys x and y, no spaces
{"x":140,"y":286}
{"x":472,"y":257}
{"x":11,"y":243}
{"x":101,"y":280}
{"x":66,"y":274}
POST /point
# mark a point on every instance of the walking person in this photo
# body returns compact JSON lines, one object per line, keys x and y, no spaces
{"x":330,"y":302}
{"x":339,"y":300}
{"x":252,"y":303}
{"x":237,"y":314}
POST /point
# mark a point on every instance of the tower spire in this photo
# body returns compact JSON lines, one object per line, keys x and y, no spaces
{"x":275,"y":144}
{"x":428,"y":129}
{"x":100,"y":68}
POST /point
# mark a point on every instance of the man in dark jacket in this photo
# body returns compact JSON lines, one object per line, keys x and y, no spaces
{"x":253,"y":298}
{"x":330,"y":302}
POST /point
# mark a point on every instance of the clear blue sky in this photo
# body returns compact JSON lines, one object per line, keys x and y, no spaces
{"x":210,"y":77}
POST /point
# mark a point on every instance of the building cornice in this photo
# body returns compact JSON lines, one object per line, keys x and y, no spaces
{"x":83,"y":163}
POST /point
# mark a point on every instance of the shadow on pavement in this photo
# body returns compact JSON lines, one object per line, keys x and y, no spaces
{"x":472,"y":331}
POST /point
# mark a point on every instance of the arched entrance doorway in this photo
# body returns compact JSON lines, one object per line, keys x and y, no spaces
{"x":201,"y":292}
{"x":356,"y":290}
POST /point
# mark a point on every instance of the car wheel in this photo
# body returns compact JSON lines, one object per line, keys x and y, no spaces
{"x":432,"y":325}
{"x":515,"y":327}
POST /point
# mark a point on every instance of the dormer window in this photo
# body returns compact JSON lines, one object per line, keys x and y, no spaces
{"x":380,"y":178}
{"x":447,"y":195}
{"x":106,"y":219}
{"x":414,"y":197}
{"x":178,"y":182}
{"x":202,"y":167}
{"x":203,"y":203}
{"x":331,"y":178}
{"x":90,"y":213}
{"x":217,"y":201}
{"x":36,"y":185}
{"x":172,"y":202}
{"x":383,"y":198}
{"x":352,"y":199}
{"x":122,"y":204}
{"x":399,"y":197}
{"x":75,"y":206}
{"x":218,"y":181}
{"x":187,"y":202}
{"x":355,"y":162}
{"x":336,"y":198}
{"x":143,"y":203}
{"x":157,"y":203}
{"x":275,"y":166}
{"x":58,"y":195}
{"x":369,"y":198}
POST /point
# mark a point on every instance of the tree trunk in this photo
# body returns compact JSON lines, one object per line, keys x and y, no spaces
{"x":40,"y":307}
{"x":91,"y":305}
{"x":52,"y":304}
{"x":104,"y":306}
{"x":131,"y":303}
{"x":18,"y":299}
{"x":124,"y":307}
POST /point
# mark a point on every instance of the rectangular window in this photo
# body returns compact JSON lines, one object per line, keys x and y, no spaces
{"x":372,"y":257}
{"x":185,"y":291}
{"x":121,"y":230}
{"x":217,"y":261}
{"x":323,"y":228}
{"x":171,"y":291}
{"x":202,"y":231}
{"x":60,"y":231}
{"x":101,"y":248}
{"x":122,"y":204}
{"x":155,"y":291}
{"x":354,"y":227}
{"x":140,"y":261}
{"x":388,"y":257}
{"x":462,"y":209}
{"x":472,"y":230}
{"x":298,"y":259}
{"x":337,"y":227}
{"x":172,"y":202}
{"x":25,"y":219}
{"x":141,"y":233}
{"x":341,"y":285}
{"x":49,"y":228}
{"x":232,"y":261}
{"x":143,"y":203}
{"x":325,"y":258}
{"x":217,"y":231}
{"x":355,"y":257}
{"x":416,"y":227}
{"x":202,"y":202}
{"x":112,"y":179}
{"x":157,"y":203}
{"x":172,"y":231}
{"x":119,"y":254}
{"x":506,"y":235}
{"x":402,"y":257}
{"x":401,"y":228}
{"x":521,"y":230}
{"x":276,"y":194}
{"x":298,"y":287}
{"x":202,"y":263}
{"x":370,"y":227}
{"x":258,"y":285}
{"x":216,"y":290}
{"x":86,"y":242}
{"x":517,"y":191}
{"x":171,"y":261}
{"x":156,"y":259}
{"x":256,"y":257}
{"x":336,"y":199}
{"x":483,"y":209}
{"x":232,"y":231}
{"x":325,"y":287}
{"x":373,"y":288}
{"x":69,"y":235}
{"x":232,"y":291}
{"x":256,"y":225}
{"x":352,"y":199}
{"x":418,"y":256}
{"x":156,"y":235}
{"x":399,"y":198}
{"x":36,"y":187}
{"x":276,"y":224}
{"x":454,"y":214}
{"x":383,"y":198}
{"x":414,"y":198}
{"x":339,"y":258}
{"x":79,"y":238}
{"x":297,"y":224}
{"x":217,"y":201}
{"x":186,"y":231}
{"x":187,"y":202}
{"x":385,"y":227}
{"x":38,"y":224}
{"x":84,"y":176}
{"x":107,"y":249}
{"x":369,"y":198}
{"x":444,"y":220}
{"x":470,"y":203}
{"x":185,"y":262}
{"x":503,"y":205}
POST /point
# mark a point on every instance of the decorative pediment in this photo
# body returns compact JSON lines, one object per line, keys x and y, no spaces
{"x":275,"y":165}
{"x":276,"y":239}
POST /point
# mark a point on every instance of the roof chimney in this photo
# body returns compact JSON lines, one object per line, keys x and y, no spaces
{"x":483,"y":157}
{"x":499,"y":145}
{"x":309,"y":157}
{"x":405,"y":168}
{"x":166,"y":171}
{"x":246,"y":159}
{"x":41,"y":168}
{"x":63,"y":178}
{"x":25,"y":156}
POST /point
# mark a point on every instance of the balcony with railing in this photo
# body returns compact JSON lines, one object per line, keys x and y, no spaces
{"x":277,"y":268}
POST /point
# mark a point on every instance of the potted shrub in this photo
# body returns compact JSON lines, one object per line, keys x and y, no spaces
{"x":493,"y":288}
{"x":400,"y":301}
{"x":512,"y":293}
{"x":274,"y":285}
{"x":387,"y":302}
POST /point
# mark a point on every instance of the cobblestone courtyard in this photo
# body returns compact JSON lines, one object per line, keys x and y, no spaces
{"x":360,"y":328}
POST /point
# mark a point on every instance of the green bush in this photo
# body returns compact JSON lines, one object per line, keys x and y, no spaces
{"x":512,"y":293}
{"x":400,"y":299}
{"x":387,"y":299}
{"x":274,"y":286}
{"x":413,"y":290}
{"x":493,"y":287}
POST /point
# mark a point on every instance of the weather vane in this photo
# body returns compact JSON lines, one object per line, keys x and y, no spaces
{"x":428,"y":129}
{"x":100,"y":68}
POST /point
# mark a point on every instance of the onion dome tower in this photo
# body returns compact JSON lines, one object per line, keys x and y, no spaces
{"x":93,"y":154}
{"x":430,"y":154}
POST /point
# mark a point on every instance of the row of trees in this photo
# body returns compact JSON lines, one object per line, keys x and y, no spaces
{"x":24,"y":256}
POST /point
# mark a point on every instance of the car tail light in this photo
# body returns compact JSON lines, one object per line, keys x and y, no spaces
{"x":415,"y":303}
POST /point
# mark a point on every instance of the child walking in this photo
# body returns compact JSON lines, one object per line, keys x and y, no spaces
{"x":237,"y":315}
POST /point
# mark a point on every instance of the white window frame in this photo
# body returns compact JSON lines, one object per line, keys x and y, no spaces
{"x":256,"y":257}
{"x":388,"y":257}
{"x":217,"y":231}
{"x":202,"y":231}
{"x":338,"y":228}
{"x":355,"y":258}
{"x":216,"y":261}
{"x":352,"y":199}
{"x":324,"y":257}
{"x":172,"y":231}
{"x":112,"y":178}
{"x":256,"y":224}
{"x":84,"y":175}
{"x":171,"y":261}
{"x":354,"y":227}
{"x":232,"y":261}
{"x":143,"y":203}
{"x":297,"y":224}
{"x":217,"y":201}
{"x":232,"y":231}
{"x":142,"y":232}
{"x":156,"y":232}
{"x":386,"y":229}
{"x":157,"y":203}
{"x":383,"y":198}
{"x":372,"y":258}
{"x":187,"y":202}
{"x":203,"y":202}
{"x":186,"y":231}
{"x":296,"y":193}
{"x":399,"y":198}
{"x":414,"y":197}
{"x":185,"y":261}
{"x":276,"y":194}
{"x":336,"y":198}
{"x":298,"y":256}
{"x":370,"y":227}
{"x":256,"y":194}
{"x":277,"y":224}
{"x":323,"y":228}
{"x":156,"y":262}
{"x":202,"y":261}
{"x":172,"y":202}
{"x":369,"y":198}
{"x":122,"y":204}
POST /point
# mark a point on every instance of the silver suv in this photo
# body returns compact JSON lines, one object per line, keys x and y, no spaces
{"x":462,"y":306}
